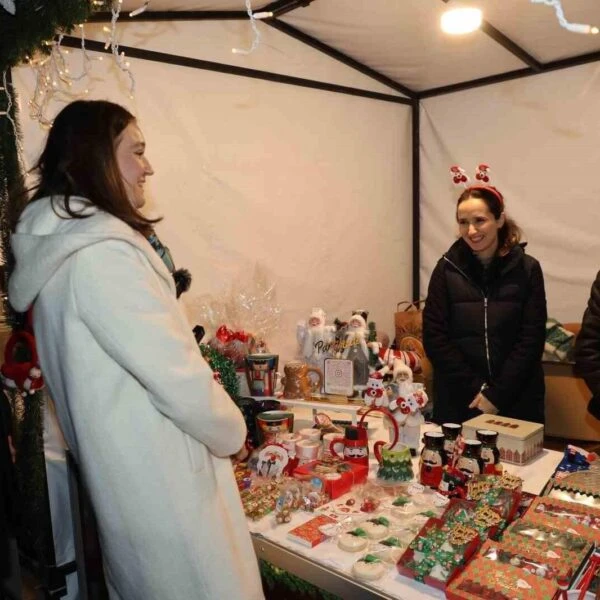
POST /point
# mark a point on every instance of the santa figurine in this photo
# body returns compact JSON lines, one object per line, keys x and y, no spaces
{"x":408,"y":399}
{"x":356,"y":349}
{"x":315,"y":339}
{"x":375,"y":394}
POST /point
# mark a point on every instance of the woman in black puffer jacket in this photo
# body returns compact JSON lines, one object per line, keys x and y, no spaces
{"x":484,"y":320}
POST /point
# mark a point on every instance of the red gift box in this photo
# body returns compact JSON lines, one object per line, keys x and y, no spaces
{"x":405,"y":563}
{"x":336,"y":483}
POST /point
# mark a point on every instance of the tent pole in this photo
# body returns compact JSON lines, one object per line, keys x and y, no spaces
{"x":416,"y":208}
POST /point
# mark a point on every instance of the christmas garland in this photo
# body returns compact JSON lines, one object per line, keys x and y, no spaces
{"x":33,"y":23}
{"x":224,"y":369}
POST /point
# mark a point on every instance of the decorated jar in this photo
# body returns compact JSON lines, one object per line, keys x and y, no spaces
{"x":451,"y":432}
{"x":489,"y":450}
{"x":433,"y":459}
{"x":470,"y":461}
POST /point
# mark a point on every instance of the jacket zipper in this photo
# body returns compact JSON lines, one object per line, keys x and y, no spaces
{"x":485,"y":314}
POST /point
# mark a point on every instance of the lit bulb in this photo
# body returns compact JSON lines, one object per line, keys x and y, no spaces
{"x":127,"y":63}
{"x":594,"y":30}
{"x":459,"y":21}
{"x":106,"y":29}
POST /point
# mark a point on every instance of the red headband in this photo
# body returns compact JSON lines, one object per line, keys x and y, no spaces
{"x":459,"y":177}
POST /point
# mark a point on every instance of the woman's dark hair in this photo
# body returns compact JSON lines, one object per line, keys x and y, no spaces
{"x":510,"y":233}
{"x":79,"y":159}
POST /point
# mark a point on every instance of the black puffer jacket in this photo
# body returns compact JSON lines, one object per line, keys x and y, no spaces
{"x":486,"y":326}
{"x":587,"y":348}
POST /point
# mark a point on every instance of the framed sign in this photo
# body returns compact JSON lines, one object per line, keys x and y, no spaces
{"x":338,"y":377}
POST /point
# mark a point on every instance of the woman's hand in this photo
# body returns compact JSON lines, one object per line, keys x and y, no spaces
{"x":484,"y":405}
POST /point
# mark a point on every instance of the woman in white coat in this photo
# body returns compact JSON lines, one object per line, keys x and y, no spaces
{"x":139,"y":408}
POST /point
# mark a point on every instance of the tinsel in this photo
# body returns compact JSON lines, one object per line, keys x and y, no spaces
{"x":225,"y":368}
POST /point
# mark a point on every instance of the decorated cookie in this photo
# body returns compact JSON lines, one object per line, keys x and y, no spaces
{"x":377,"y":528}
{"x":353,"y":541}
{"x":368,"y":568}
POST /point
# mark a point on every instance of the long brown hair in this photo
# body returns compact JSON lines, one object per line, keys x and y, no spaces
{"x":509,"y":235}
{"x":79,"y":160}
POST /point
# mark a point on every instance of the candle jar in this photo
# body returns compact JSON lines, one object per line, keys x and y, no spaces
{"x":470,"y":461}
{"x":433,"y":459}
{"x":451,"y":432}
{"x":489,"y":450}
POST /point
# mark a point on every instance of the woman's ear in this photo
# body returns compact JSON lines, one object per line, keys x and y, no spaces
{"x":501,"y":220}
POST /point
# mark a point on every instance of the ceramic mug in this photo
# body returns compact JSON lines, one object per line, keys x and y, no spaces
{"x":297,"y":382}
{"x":309,"y":433}
{"x":307,"y":451}
{"x":272,"y":424}
{"x":261,"y":373}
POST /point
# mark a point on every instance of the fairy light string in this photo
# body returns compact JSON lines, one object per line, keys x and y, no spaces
{"x":560,"y":15}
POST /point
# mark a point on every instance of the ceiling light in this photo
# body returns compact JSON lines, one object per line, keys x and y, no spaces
{"x":461,"y":20}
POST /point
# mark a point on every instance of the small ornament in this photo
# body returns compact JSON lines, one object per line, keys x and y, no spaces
{"x":482,"y":173}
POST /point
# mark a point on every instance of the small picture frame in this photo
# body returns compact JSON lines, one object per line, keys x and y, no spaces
{"x":338,"y":377}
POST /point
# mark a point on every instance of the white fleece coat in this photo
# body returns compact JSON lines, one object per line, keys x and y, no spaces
{"x":138,"y":406}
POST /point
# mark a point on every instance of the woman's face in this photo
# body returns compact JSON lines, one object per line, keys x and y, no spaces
{"x":478,"y":227}
{"x":132,"y":163}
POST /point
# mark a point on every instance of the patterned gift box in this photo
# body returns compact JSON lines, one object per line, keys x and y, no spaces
{"x":564,"y":524}
{"x":484,"y":578}
{"x":589,"y":516}
{"x":570,"y":549}
{"x":525,"y":558}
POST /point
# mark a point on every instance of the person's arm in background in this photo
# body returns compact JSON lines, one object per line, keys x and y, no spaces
{"x":443,"y":353}
{"x":139,"y":325}
{"x":587,"y":348}
{"x":528,"y":348}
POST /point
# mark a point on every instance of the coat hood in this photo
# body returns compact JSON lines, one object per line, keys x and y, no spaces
{"x":46,"y":237}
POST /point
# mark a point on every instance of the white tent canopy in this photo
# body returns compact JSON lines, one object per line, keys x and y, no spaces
{"x":310,"y":157}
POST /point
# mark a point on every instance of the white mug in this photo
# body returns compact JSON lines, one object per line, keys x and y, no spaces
{"x":289,"y":441}
{"x":307,"y":450}
{"x":309,"y":433}
{"x":327,"y":439}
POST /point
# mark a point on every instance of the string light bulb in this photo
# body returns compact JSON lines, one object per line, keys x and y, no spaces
{"x":459,"y":21}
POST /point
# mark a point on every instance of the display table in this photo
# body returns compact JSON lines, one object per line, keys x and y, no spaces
{"x":328,"y":567}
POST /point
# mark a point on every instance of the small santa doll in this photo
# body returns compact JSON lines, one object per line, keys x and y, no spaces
{"x":408,"y":399}
{"x":315,"y":339}
{"x":356,"y":349}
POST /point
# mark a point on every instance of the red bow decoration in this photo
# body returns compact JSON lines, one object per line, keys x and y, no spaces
{"x":226,"y":335}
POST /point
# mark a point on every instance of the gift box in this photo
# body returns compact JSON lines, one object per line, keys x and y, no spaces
{"x":338,"y":480}
{"x":518,"y":441}
{"x":432,"y":558}
{"x":485,"y":578}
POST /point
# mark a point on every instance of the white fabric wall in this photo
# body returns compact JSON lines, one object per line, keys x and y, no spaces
{"x":311,"y":186}
{"x":541,"y":136}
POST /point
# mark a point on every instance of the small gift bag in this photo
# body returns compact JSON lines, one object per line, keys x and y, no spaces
{"x":408,"y":319}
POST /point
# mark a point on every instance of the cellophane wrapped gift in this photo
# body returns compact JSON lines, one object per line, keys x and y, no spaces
{"x":241,"y":320}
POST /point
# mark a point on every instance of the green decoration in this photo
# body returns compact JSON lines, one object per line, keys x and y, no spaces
{"x":372,"y":337}
{"x":282,"y":585}
{"x":225,"y":368}
{"x":36,"y":22}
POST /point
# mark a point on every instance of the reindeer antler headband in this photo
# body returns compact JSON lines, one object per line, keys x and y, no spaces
{"x":482,"y":175}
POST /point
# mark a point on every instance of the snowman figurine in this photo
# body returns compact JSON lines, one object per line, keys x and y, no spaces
{"x":407,"y":401}
{"x":375,"y":394}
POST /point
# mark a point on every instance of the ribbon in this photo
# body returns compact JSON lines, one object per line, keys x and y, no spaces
{"x":226,"y":335}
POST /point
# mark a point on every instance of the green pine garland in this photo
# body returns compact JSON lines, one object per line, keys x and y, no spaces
{"x":34,"y":22}
{"x":225,"y":368}
{"x":284,"y":585}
